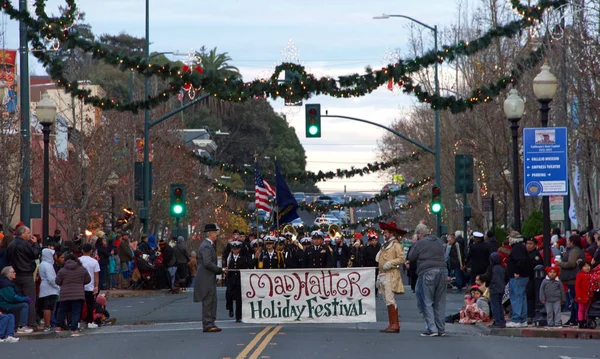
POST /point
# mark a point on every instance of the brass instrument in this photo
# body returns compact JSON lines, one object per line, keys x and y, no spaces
{"x":334,"y":231}
{"x":290,"y":228}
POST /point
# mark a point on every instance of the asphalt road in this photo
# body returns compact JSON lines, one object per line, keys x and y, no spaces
{"x":169,"y":326}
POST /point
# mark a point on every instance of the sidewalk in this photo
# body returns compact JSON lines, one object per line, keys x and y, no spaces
{"x":127,"y":293}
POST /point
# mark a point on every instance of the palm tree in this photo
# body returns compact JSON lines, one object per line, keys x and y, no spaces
{"x":216,"y":65}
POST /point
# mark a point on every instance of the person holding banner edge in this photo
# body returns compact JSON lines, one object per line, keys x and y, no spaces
{"x":205,"y":288}
{"x":389,"y":280}
{"x":234,"y":285}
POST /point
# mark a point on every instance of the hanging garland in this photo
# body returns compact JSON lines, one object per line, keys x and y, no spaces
{"x":301,"y":87}
{"x":312,"y":176}
{"x":246,"y":196}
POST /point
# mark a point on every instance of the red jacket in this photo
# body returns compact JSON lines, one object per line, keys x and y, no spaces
{"x":583,"y":287}
{"x":504,"y":252}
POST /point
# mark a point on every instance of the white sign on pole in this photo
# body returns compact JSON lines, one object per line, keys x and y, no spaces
{"x":331,"y":295}
{"x":557,"y":208}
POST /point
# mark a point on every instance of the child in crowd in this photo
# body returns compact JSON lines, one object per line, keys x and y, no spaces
{"x":114,"y":264}
{"x":552,"y":295}
{"x":496,"y":290}
{"x":101,"y":315}
{"x":583,"y":292}
{"x":193,"y":266}
{"x":476,"y":309}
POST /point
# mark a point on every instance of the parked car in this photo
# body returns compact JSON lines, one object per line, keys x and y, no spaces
{"x":298,"y":222}
{"x":339,"y":214}
{"x":390,"y":188}
{"x":402,"y":200}
{"x":326,"y":220}
{"x":300,"y":197}
{"x":323,"y":200}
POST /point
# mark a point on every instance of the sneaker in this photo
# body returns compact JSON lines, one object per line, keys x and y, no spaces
{"x":24,"y":330}
{"x":442,"y":334}
{"x":523,"y":325}
{"x":429,"y":334}
{"x":10,"y":339}
{"x":1,"y":340}
{"x":47,"y":329}
{"x":92,"y":326}
{"x":75,"y":334}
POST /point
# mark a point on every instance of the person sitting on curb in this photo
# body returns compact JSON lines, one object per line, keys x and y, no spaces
{"x":7,"y":328}
{"x":11,"y":302}
{"x":476,"y":309}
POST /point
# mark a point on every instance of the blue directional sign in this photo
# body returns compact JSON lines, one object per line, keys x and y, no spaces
{"x":546,"y":167}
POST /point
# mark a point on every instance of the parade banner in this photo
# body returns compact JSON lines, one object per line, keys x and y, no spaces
{"x":328,"y":295}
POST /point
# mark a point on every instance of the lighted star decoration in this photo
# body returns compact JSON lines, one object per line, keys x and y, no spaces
{"x":192,"y":60}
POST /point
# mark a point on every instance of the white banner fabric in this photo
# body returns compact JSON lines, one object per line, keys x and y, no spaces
{"x":328,"y":295}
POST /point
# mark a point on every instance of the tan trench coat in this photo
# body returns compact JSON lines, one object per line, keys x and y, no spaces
{"x":392,"y":252}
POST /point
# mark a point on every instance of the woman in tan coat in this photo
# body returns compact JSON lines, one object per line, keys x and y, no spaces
{"x":389,"y":280}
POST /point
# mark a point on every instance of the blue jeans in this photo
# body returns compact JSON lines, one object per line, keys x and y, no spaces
{"x":431,"y":298}
{"x":7,"y":325}
{"x":172,"y":271}
{"x":458,"y":273}
{"x":497,"y":309}
{"x":574,"y":304}
{"x":518,"y":299}
{"x":23,"y":310}
{"x":75,"y":306}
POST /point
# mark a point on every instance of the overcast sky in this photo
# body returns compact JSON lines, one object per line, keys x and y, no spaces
{"x":333,"y":37}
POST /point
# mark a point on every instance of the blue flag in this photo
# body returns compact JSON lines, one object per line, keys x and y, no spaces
{"x":286,"y":202}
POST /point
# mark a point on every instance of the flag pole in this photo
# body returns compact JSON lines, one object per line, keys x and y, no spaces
{"x":256,"y":208}
{"x":276,"y":206}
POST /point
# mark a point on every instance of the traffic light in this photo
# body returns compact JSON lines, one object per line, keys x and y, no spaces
{"x":313,"y":120}
{"x":436,"y":200}
{"x":178,"y":205}
{"x":463,"y":174}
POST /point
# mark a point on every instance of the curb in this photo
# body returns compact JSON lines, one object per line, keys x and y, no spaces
{"x":134,"y":293}
{"x":564,"y":333}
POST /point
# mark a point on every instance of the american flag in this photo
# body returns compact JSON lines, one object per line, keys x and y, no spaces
{"x":262,"y":191}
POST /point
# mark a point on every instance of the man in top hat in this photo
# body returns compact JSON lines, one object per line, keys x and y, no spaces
{"x":389,"y":280}
{"x":270,"y":258}
{"x":205,"y":288}
{"x":317,"y":255}
{"x":234,"y":283}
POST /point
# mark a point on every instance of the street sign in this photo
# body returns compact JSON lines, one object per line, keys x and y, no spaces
{"x":486,"y":204}
{"x":545,"y":154}
{"x":557,"y":208}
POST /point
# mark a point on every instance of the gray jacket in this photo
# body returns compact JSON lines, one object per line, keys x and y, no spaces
{"x":207,"y":271}
{"x":47,"y":274}
{"x":552,"y":290}
{"x":428,"y":253}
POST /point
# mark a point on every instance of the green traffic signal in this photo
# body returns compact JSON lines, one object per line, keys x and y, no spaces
{"x":177,"y":209}
{"x":177,"y":202}
{"x":436,"y":200}
{"x":313,"y":120}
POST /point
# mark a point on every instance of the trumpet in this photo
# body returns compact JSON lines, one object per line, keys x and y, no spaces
{"x":334,"y":231}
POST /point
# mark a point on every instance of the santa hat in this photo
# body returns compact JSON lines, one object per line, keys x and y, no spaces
{"x":554,"y":268}
{"x":101,"y":300}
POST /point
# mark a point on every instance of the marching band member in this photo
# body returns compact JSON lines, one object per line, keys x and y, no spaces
{"x":234,"y":284}
{"x":318,"y":255}
{"x":269,"y":258}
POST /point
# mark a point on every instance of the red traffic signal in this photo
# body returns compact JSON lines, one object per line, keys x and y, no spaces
{"x":436,"y":191}
{"x":312,"y":112}
{"x":178,"y":191}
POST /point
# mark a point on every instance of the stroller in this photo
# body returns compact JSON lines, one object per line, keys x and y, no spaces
{"x":594,"y":311}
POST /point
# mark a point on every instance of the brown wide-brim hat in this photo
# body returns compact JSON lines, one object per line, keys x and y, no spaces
{"x":391,"y":226}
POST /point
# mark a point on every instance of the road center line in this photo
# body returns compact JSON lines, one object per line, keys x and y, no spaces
{"x":265,"y":342}
{"x":253,"y":342}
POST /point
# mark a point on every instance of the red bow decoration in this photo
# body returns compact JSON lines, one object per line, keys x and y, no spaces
{"x":199,"y":69}
{"x":186,"y":68}
{"x":187,"y":86}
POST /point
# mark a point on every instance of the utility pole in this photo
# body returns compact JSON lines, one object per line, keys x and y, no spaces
{"x":25,"y":120}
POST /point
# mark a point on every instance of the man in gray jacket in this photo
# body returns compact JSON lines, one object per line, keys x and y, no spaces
{"x":205,"y":287}
{"x":429,"y":254}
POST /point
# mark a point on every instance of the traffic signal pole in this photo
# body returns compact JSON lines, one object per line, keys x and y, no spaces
{"x":425,"y":148}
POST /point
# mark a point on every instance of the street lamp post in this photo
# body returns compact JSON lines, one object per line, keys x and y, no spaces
{"x":514,"y":106}
{"x":46,"y":114}
{"x":544,"y":88}
{"x":438,"y":179}
{"x":112,"y":182}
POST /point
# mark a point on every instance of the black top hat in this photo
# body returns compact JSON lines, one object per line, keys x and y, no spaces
{"x":211,"y":227}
